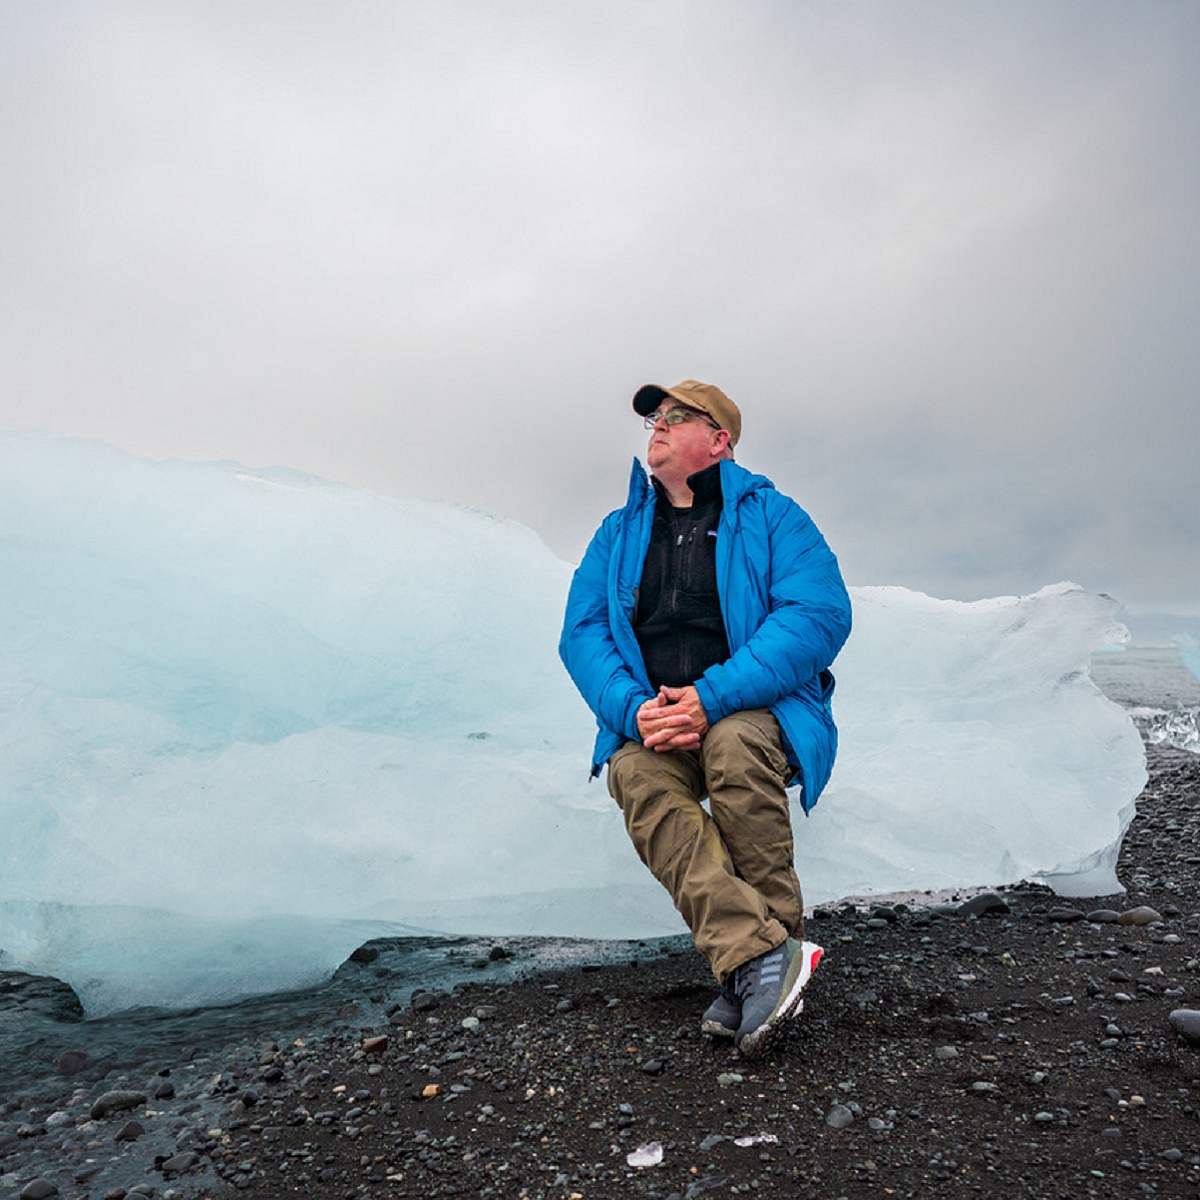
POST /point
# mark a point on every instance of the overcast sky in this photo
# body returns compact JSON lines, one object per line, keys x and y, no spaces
{"x":945,"y":255}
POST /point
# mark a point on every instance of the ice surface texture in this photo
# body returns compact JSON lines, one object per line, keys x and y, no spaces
{"x":1189,"y":651}
{"x":252,"y":718}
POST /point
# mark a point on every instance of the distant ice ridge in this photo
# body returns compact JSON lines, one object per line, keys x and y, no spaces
{"x":250,"y":719}
{"x":1189,"y":651}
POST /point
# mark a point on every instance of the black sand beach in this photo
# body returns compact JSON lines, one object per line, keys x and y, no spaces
{"x":1027,"y":1052}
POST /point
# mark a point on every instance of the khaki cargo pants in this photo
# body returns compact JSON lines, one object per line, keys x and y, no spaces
{"x":731,"y":874}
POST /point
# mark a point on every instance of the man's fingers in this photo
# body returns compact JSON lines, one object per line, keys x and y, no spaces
{"x":683,"y":741}
{"x":673,"y":735}
{"x":671,"y":721}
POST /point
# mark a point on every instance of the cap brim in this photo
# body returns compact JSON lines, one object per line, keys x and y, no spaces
{"x":647,"y":399}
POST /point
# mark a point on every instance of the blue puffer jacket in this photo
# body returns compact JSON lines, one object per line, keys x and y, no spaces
{"x":786,"y":615}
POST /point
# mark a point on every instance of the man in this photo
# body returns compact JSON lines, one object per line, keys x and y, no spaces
{"x":700,"y":628}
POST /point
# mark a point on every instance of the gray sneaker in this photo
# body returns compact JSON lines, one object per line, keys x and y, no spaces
{"x":724,"y":1014}
{"x":769,"y":988}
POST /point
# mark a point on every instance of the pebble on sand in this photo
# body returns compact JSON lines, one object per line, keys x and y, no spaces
{"x":1186,"y":1023}
{"x":38,"y":1189}
{"x":116,"y":1101}
{"x":1142,"y":915}
{"x":839,"y":1117}
{"x":985,"y":904}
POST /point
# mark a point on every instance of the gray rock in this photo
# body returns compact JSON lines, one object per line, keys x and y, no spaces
{"x":1142,"y":915}
{"x":71,"y":1062}
{"x":1186,"y":1023}
{"x":41,"y":994}
{"x":116,"y":1101}
{"x":1104,"y":916}
{"x":838,"y":1117}
{"x":38,"y":1189}
{"x":710,"y":1183}
{"x":178,"y":1163}
{"x":130,"y":1132}
{"x":986,"y":904}
{"x":1065,"y":915}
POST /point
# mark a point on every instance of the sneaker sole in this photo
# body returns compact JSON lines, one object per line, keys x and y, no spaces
{"x":716,"y":1029}
{"x":792,"y":1005}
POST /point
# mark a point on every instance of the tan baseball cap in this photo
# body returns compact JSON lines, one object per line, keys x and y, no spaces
{"x":703,"y":397}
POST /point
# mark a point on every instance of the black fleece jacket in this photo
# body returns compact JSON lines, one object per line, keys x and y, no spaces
{"x":678,"y":619}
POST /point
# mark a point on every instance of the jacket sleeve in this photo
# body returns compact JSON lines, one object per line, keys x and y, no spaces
{"x":588,"y":647}
{"x":787,"y":609}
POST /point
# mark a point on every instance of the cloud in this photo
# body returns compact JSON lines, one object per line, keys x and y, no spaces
{"x":943,"y":254}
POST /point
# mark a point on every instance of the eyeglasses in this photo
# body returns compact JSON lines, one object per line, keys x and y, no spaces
{"x":677,"y":416}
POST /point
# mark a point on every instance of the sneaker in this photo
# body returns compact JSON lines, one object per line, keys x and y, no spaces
{"x":769,"y":988}
{"x":724,"y":1014}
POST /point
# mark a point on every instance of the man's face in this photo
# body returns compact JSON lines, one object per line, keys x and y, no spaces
{"x":687,"y":447}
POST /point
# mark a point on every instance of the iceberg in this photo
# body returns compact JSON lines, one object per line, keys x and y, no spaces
{"x":1189,"y":651}
{"x":252,"y":718}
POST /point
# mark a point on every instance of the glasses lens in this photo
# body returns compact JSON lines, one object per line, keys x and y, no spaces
{"x":673,"y":416}
{"x":677,"y":416}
